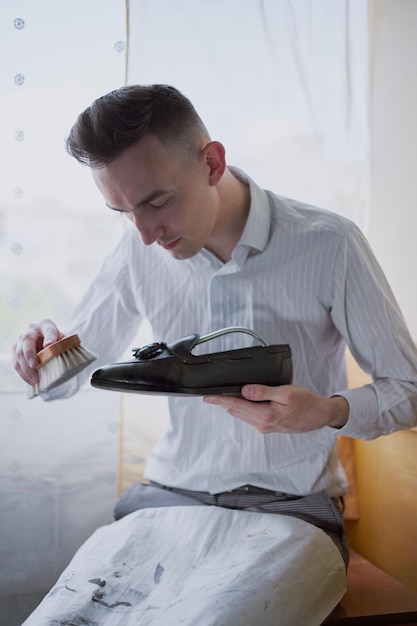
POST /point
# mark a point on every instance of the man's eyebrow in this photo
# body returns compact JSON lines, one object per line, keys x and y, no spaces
{"x":152,"y":196}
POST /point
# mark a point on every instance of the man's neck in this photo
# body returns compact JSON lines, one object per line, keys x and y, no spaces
{"x":234,"y":203}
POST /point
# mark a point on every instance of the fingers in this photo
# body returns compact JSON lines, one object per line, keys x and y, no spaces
{"x":283,"y":409}
{"x":50,"y":332}
{"x":262,"y":393}
{"x":256,"y":412}
{"x":258,"y":395}
{"x":36,"y":337}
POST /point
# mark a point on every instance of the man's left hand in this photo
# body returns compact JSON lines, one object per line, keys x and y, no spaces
{"x":285,"y":409}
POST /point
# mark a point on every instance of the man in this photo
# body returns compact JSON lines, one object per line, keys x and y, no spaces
{"x":216,"y":251}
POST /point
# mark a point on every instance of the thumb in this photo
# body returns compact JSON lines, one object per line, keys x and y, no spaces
{"x":50,"y":332}
{"x":256,"y":393}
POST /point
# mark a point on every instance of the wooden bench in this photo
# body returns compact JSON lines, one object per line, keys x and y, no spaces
{"x":373,"y":597}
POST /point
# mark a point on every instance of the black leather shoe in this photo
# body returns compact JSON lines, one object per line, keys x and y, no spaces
{"x":171,"y":369}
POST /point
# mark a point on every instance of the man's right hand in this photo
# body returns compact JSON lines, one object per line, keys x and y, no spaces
{"x":31,"y":341}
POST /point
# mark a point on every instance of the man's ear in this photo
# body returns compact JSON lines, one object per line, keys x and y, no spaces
{"x":215,"y":157}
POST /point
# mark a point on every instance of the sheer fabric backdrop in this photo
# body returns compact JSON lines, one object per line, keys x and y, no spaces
{"x":58,"y":462}
{"x":282,"y":83}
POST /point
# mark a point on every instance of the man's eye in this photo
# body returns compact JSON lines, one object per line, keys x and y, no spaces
{"x":160,"y":205}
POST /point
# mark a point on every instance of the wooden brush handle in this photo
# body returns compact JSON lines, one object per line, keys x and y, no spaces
{"x":57,"y":348}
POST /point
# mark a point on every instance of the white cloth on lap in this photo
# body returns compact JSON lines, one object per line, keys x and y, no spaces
{"x":198,"y":566}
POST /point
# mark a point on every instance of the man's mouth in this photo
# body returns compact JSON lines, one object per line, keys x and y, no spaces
{"x":169,"y":245}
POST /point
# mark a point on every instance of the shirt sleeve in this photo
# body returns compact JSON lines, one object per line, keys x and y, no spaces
{"x":108,"y":316}
{"x":367,"y":315}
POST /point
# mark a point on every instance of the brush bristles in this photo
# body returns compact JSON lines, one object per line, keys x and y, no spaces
{"x":60,"y":369}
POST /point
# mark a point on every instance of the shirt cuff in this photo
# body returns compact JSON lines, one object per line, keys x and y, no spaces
{"x":363,"y":412}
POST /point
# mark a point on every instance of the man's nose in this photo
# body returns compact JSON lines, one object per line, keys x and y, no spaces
{"x":148,"y":230}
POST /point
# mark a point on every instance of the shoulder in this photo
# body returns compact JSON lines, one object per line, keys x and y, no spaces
{"x":299,"y":216}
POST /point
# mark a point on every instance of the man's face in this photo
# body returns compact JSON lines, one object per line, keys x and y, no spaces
{"x":171,"y":203}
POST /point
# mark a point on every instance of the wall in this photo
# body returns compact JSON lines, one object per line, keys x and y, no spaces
{"x":393,"y":146}
{"x":386,"y":468}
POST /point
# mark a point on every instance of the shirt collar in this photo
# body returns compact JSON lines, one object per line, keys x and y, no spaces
{"x":256,"y":232}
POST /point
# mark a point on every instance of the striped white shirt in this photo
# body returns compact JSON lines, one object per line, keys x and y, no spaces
{"x":300,"y":276}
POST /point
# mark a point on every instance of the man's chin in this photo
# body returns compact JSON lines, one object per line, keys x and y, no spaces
{"x":181,"y":249}
{"x":182,"y":255}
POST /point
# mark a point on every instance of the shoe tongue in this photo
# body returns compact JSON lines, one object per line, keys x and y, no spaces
{"x":182,"y":347}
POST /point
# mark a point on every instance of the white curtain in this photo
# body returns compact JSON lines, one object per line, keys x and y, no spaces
{"x":59,"y":462}
{"x":282,"y":83}
{"x":56,"y":58}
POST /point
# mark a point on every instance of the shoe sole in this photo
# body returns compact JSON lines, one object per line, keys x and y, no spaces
{"x":233,"y":390}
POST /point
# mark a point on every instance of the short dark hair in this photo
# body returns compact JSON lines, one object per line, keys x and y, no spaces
{"x":124,"y":116}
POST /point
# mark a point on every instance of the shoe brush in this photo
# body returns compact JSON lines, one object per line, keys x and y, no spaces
{"x":59,"y":362}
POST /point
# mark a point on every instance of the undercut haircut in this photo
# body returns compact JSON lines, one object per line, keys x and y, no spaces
{"x":119,"y":119}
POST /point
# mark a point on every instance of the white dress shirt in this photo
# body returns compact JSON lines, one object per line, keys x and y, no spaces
{"x":299,"y":276}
